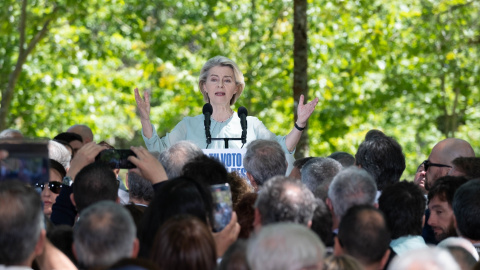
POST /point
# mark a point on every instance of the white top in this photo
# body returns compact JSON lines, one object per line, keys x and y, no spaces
{"x":193,"y":129}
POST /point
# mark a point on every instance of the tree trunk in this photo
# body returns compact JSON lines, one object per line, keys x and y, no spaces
{"x":300,"y":60}
{"x":8,"y":92}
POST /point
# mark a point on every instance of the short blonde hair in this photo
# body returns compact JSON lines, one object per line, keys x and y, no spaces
{"x":223,"y":62}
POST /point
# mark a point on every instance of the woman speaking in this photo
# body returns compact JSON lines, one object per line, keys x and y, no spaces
{"x":221,"y":84}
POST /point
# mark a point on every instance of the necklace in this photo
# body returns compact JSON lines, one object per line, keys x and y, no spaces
{"x":230,"y":114}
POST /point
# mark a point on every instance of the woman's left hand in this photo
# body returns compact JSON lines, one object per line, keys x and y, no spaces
{"x":305,"y":110}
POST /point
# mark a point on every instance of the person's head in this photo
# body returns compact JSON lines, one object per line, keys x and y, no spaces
{"x":440,"y":160}
{"x":61,"y":236}
{"x":352,"y":186}
{"x":207,"y":170}
{"x":73,"y":139}
{"x":238,"y":187}
{"x":263,"y":160}
{"x":235,"y":258}
{"x":283,"y":199}
{"x":322,"y":223}
{"x":468,"y":167}
{"x":104,"y":234}
{"x":440,"y":199}
{"x":382,"y":157}
{"x":11,"y":134}
{"x":419,"y":179}
{"x":297,"y":167}
{"x":21,"y":224}
{"x":184,"y":242}
{"x":364,"y":235}
{"x":176,"y":156}
{"x":466,"y":208}
{"x":403,"y":205}
{"x":51,"y":190}
{"x":83,"y":131}
{"x":59,"y":153}
{"x":139,"y":188}
{"x":246,"y":214}
{"x":462,"y":243}
{"x":464,"y":259}
{"x":318,"y":173}
{"x":181,"y":195}
{"x":285,"y":246}
{"x":95,"y":182}
{"x":344,"y":158}
{"x":218,"y":70}
{"x":342,"y":262}
{"x":424,"y":259}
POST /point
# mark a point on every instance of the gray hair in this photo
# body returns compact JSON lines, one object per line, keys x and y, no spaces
{"x":285,"y":246}
{"x":10,"y":133}
{"x":224,"y":62}
{"x":176,"y":156}
{"x":425,"y":259}
{"x":320,"y":172}
{"x":96,"y":234}
{"x":59,"y":153}
{"x":21,"y":222}
{"x":352,"y":186}
{"x":264,"y":159}
{"x":139,"y":187}
{"x":283,"y":199}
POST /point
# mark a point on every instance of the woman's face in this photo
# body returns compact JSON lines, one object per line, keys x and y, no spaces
{"x":220,"y":85}
{"x":49,"y":197}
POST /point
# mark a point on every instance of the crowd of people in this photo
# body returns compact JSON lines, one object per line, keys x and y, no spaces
{"x":340,"y":211}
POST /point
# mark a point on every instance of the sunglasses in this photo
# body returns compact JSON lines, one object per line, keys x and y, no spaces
{"x":427,"y":164}
{"x":54,"y":187}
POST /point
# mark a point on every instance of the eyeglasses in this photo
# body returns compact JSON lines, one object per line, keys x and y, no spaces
{"x":54,"y":186}
{"x":428,"y":164}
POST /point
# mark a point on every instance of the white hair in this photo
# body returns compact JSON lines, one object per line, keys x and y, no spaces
{"x":59,"y":153}
{"x":460,"y":242}
{"x":285,"y":246}
{"x":429,"y":258}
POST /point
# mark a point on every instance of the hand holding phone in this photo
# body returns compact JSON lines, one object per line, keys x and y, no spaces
{"x":222,"y":206}
{"x":116,"y":158}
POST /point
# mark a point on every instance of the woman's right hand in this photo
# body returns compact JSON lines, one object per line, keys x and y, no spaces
{"x":143,"y":105}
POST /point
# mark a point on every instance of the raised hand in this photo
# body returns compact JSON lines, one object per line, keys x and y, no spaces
{"x":148,"y":166}
{"x":143,"y":104}
{"x":305,"y":110}
{"x":83,"y":157}
{"x":227,"y":236}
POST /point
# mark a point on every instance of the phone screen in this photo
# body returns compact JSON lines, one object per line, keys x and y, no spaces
{"x":222,"y":201}
{"x":27,"y":160}
{"x":116,"y":158}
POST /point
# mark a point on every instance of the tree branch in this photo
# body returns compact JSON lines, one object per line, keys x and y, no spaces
{"x":21,"y":28}
{"x":7,"y":95}
{"x":455,"y":7}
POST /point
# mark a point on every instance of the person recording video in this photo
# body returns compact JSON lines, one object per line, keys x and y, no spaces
{"x":221,"y":83}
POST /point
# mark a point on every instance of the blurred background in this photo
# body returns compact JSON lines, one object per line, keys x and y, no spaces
{"x":409,"y":68}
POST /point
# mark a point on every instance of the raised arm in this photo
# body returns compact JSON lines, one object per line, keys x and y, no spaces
{"x":303,"y":113}
{"x":143,"y":106}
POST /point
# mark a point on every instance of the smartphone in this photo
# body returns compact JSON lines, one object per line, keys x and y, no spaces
{"x":222,"y":202}
{"x":27,"y":160}
{"x":116,"y":158}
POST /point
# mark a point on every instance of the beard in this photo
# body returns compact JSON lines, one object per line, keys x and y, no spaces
{"x":450,"y":232}
{"x":428,"y":186}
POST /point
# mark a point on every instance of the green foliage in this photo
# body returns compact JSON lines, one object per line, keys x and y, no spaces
{"x":406,"y":67}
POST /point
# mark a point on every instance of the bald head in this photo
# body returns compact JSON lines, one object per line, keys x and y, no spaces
{"x":82,"y":130}
{"x":449,"y":149}
{"x":444,"y":153}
